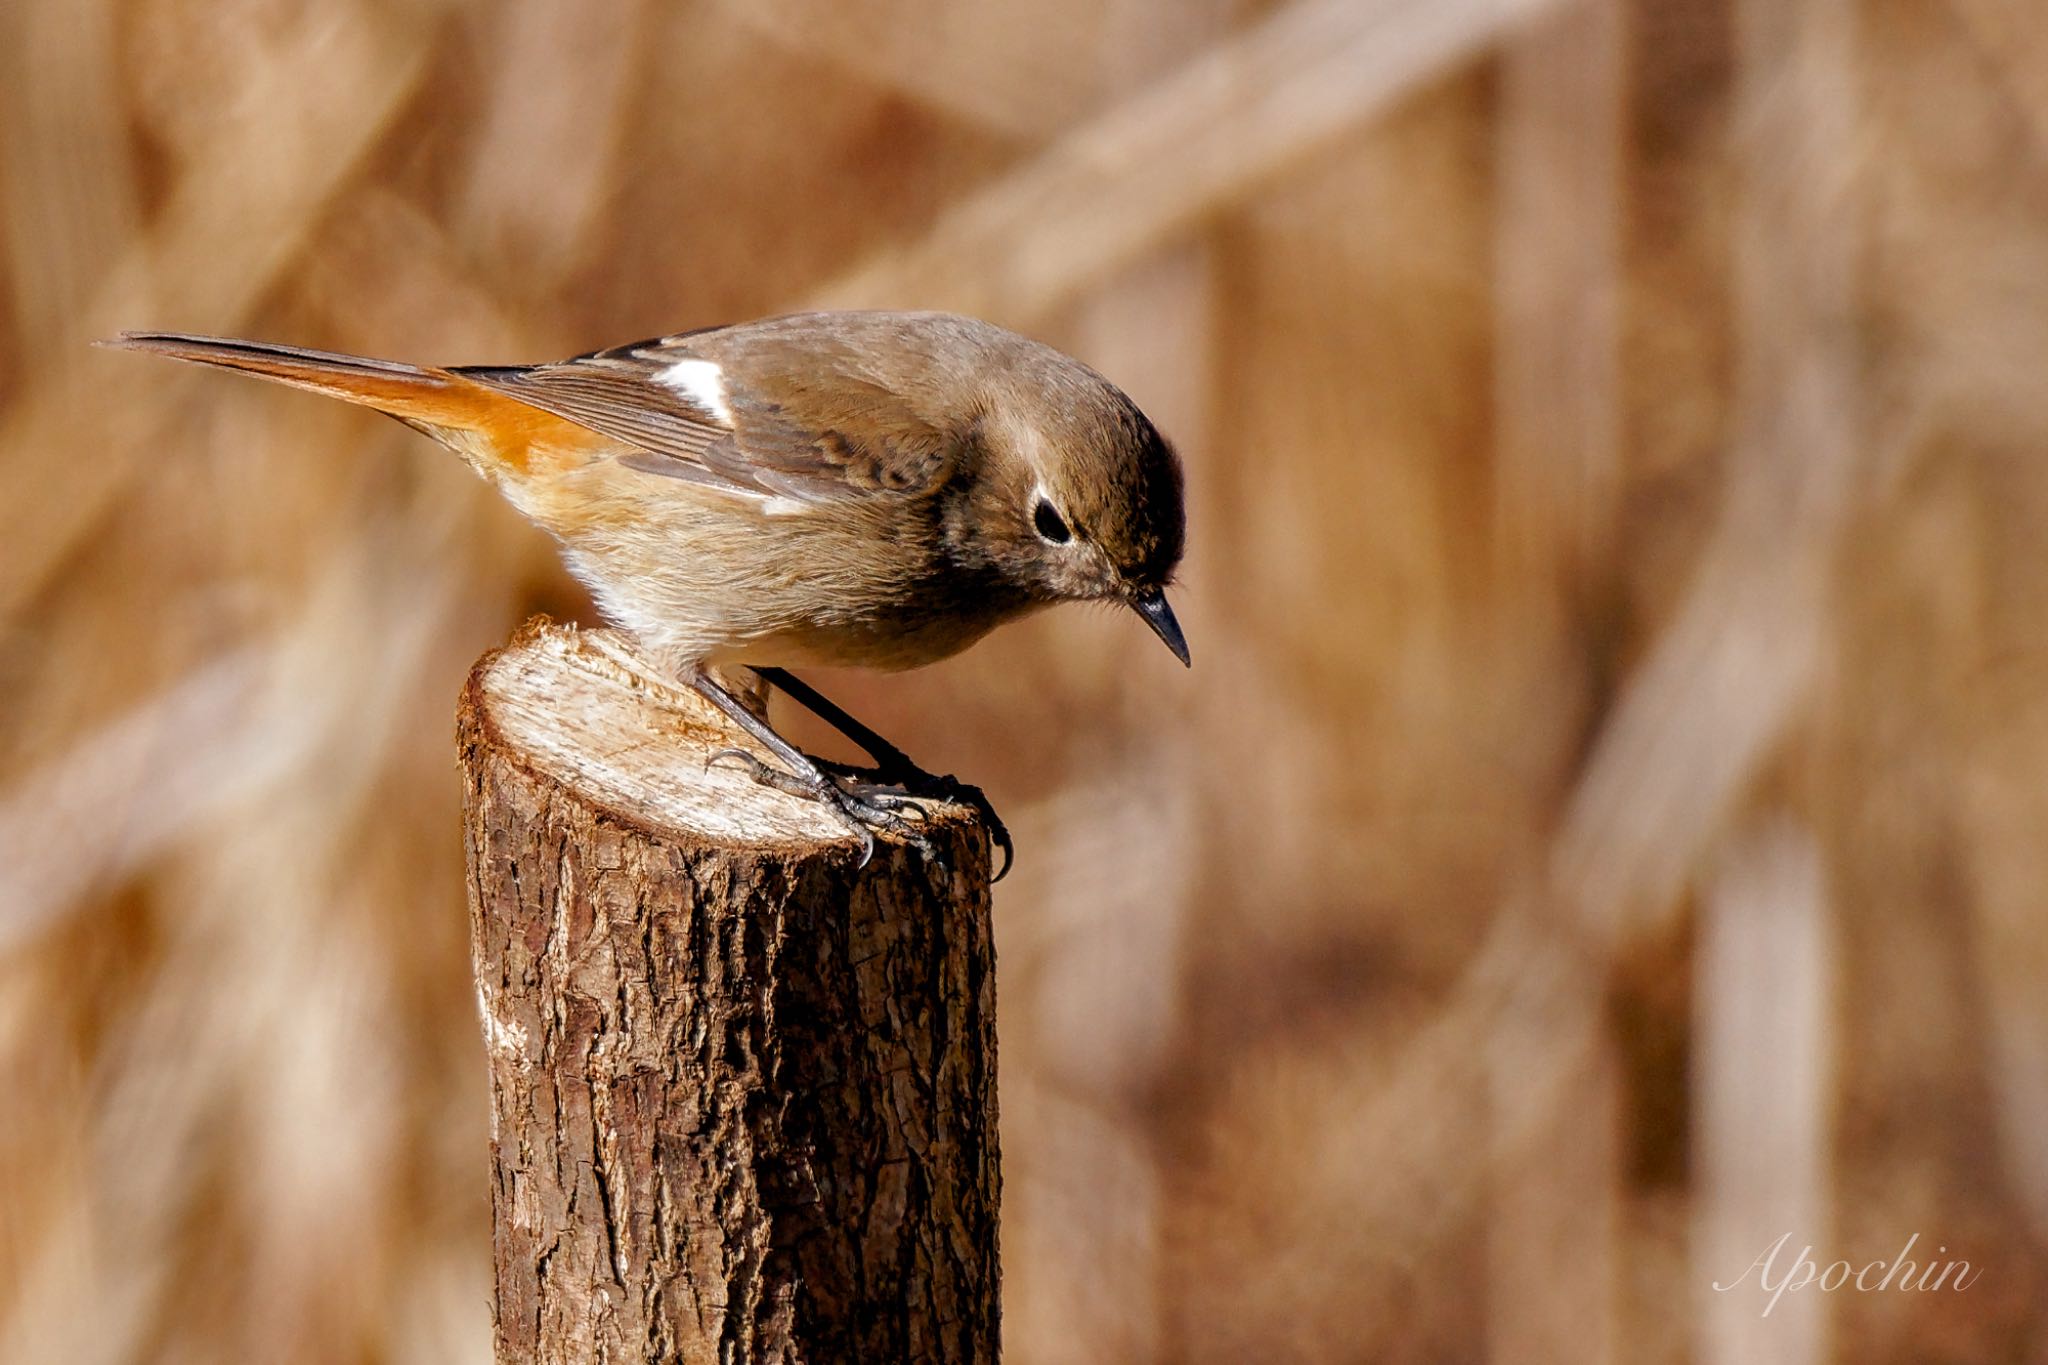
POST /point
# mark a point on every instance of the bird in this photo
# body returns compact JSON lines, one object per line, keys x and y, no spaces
{"x":875,"y":489}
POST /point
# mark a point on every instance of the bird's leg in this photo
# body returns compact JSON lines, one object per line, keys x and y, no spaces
{"x":862,"y":813}
{"x":888,"y":758}
{"x":900,"y":776}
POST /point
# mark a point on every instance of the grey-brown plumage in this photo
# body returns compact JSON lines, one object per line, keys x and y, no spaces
{"x":877,"y":489}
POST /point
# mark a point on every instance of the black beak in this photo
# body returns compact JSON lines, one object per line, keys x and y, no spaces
{"x":1151,"y":604}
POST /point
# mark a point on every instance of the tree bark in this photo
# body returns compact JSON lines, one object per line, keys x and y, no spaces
{"x":743,"y":1091}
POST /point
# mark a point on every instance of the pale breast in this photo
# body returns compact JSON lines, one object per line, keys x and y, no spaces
{"x":705,"y":577}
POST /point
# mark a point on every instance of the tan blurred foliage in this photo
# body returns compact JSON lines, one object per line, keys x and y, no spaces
{"x":1605,"y":828}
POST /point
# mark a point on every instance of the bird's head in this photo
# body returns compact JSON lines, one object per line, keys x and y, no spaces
{"x":1080,"y":496}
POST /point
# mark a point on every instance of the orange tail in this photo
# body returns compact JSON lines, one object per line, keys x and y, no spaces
{"x":402,"y":390}
{"x":437,"y":401}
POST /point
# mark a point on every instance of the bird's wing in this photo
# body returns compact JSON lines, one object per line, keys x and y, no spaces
{"x":809,"y":427}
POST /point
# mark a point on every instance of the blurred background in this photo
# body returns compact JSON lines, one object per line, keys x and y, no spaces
{"x":1605,"y":829}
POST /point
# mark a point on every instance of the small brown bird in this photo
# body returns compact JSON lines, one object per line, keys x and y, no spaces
{"x":878,"y":489}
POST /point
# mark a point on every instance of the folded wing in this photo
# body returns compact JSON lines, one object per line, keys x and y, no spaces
{"x":692,"y":411}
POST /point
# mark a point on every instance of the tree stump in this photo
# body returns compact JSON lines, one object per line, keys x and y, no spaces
{"x":742,"y":1091}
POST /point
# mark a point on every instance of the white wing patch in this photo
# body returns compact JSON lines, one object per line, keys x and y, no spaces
{"x":703,"y":383}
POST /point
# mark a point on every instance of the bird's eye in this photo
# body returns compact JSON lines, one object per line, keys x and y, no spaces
{"x":1050,"y":526}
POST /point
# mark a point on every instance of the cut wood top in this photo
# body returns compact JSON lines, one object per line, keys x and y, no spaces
{"x":584,"y":709}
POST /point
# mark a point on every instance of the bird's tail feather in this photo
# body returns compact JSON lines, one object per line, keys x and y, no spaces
{"x":405,"y":391}
{"x":497,"y":433}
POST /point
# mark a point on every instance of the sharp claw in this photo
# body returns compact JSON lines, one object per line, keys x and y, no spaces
{"x":998,"y":833}
{"x":867,"y":807}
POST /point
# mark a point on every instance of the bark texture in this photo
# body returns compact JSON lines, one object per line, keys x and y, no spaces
{"x":743,"y":1093}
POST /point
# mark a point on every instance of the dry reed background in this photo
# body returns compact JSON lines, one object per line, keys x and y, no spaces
{"x":1606,"y":826}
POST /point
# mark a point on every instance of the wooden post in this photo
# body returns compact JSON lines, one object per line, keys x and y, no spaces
{"x":742,"y":1092}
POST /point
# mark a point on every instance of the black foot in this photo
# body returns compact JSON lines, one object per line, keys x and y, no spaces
{"x":899,"y":777}
{"x":936,"y":787}
{"x":866,"y":808}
